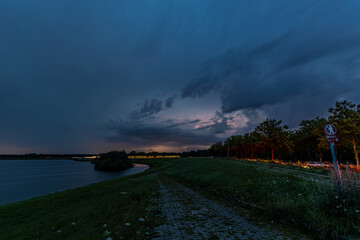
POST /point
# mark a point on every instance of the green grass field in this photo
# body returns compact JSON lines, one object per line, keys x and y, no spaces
{"x":124,"y":208}
{"x":120,"y":209}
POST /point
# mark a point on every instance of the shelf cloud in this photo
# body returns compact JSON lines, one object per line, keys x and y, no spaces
{"x":92,"y":76}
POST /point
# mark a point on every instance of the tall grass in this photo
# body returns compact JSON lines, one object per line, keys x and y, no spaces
{"x":287,"y":198}
{"x":341,"y":206}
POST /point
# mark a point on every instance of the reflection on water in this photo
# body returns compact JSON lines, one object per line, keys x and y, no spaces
{"x":24,"y":179}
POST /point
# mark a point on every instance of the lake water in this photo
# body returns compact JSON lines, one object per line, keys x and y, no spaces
{"x":24,"y":179}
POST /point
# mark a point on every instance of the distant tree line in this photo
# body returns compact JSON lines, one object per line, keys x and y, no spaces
{"x":272,"y":139}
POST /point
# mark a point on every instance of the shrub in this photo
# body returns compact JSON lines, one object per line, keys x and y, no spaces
{"x":350,"y":179}
{"x":113,"y":161}
{"x":342,"y":206}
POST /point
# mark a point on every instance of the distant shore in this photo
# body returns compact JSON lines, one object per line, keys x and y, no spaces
{"x":78,"y":157}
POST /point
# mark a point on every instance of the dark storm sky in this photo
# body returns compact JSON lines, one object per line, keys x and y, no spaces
{"x":92,"y":76}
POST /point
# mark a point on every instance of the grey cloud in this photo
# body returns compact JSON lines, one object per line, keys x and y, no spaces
{"x":232,"y":61}
{"x":265,"y":77}
{"x":198,"y":87}
{"x":159,"y":133}
{"x":151,"y":107}
{"x":318,"y":48}
{"x":172,"y":124}
{"x":289,"y":87}
{"x":218,"y":124}
{"x":170,"y":101}
{"x":169,"y":132}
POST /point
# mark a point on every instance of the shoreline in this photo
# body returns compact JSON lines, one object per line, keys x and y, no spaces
{"x":46,"y":183}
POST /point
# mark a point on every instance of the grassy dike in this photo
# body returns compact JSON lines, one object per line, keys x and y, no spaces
{"x":119,"y":208}
{"x":82,"y":212}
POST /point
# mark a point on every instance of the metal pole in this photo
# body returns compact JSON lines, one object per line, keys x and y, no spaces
{"x":336,"y":165}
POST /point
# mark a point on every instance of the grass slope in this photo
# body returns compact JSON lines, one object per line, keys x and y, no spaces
{"x":82,"y":212}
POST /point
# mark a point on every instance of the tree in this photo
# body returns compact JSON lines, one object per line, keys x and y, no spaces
{"x":216,"y":149}
{"x":311,"y":136}
{"x":318,"y":131}
{"x":228,"y":144}
{"x":250,"y":142}
{"x":273,"y":135}
{"x":112,"y":161}
{"x":237,"y":145}
{"x":346,"y":116}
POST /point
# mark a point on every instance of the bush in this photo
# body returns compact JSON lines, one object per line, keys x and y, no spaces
{"x":113,"y":161}
{"x":341,"y":207}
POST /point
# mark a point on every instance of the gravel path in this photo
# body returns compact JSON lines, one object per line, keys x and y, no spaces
{"x":186,"y":214}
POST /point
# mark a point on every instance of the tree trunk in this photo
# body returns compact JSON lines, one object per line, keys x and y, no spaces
{"x":228,"y":152}
{"x":272,"y":153}
{"x":309,"y":154}
{"x":320,"y":155}
{"x":252,"y":152}
{"x":356,"y":153}
{"x":340,"y":158}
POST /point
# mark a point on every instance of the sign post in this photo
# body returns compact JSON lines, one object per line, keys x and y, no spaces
{"x":332,"y":136}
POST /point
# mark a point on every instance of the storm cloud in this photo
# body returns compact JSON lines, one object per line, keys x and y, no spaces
{"x":92,"y":76}
{"x":170,"y":133}
{"x":151,"y":107}
{"x":264,"y":77}
{"x":180,"y":134}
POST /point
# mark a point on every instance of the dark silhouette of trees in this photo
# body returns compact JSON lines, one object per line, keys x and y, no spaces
{"x":346,"y":116}
{"x":228,"y":145}
{"x":307,"y":142}
{"x":250,"y":142}
{"x":273,"y":135}
{"x":310,"y":138}
{"x":237,"y":145}
{"x":216,"y":149}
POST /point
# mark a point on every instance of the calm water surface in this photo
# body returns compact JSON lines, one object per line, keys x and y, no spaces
{"x":24,"y":179}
